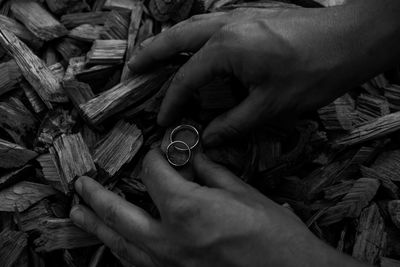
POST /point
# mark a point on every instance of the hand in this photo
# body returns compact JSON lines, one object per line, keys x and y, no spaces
{"x":290,"y":60}
{"x":223,"y":223}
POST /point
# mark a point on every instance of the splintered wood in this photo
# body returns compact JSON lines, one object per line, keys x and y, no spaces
{"x":39,"y":21}
{"x":70,"y":106}
{"x":107,"y":52}
{"x":33,"y":68}
{"x":125,"y":94}
{"x":119,"y":147}
{"x":74,"y":159}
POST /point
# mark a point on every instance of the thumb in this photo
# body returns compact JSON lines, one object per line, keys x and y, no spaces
{"x":236,"y":122}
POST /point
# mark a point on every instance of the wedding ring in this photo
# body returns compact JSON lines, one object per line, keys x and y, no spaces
{"x":183,"y":127}
{"x":173,"y":159}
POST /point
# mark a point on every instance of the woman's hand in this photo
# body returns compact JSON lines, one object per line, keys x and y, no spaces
{"x":290,"y":60}
{"x":223,"y":223}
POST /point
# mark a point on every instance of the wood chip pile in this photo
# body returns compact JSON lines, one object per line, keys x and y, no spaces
{"x":69,"y":106}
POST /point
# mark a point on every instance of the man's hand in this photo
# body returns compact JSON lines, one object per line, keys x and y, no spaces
{"x":223,"y":223}
{"x":290,"y":60}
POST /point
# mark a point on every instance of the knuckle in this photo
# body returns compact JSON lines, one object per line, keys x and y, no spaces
{"x":181,"y":210}
{"x":111,"y":213}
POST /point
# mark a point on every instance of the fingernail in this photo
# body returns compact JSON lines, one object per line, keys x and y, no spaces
{"x":78,"y":186}
{"x":76,"y":215}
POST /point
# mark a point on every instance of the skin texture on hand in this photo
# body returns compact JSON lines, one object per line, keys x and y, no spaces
{"x":225,"y":222}
{"x":290,"y":60}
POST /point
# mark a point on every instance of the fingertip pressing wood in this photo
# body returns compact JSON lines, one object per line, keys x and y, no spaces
{"x":74,"y":159}
{"x":38,"y":20}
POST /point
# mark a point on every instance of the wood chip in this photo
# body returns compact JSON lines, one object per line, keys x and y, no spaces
{"x":163,"y":10}
{"x":351,"y":205}
{"x":394,"y":212}
{"x":125,"y":94}
{"x":12,"y":246}
{"x":107,"y":52}
{"x":10,"y":76}
{"x":59,"y":7}
{"x":78,"y":92}
{"x":13,"y":155}
{"x":20,"y":31}
{"x":388,"y":262}
{"x":339,"y":115}
{"x":69,"y":48}
{"x":371,"y":237}
{"x":51,"y":172}
{"x":86,"y":32}
{"x":62,"y":234}
{"x":73,"y":20}
{"x":74,"y":159}
{"x":116,"y":26}
{"x":40,"y":22}
{"x":14,"y":176}
{"x":120,"y":4}
{"x":377,"y":128}
{"x":119,"y":147}
{"x":23,"y":195}
{"x":34,"y":70}
{"x":29,"y":219}
{"x":370,"y":107}
{"x":76,"y":65}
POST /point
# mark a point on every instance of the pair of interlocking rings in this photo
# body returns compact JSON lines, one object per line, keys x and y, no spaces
{"x":180,"y":145}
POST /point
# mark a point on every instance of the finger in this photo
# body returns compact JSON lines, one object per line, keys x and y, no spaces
{"x":126,"y":218}
{"x":208,"y":63}
{"x":185,"y":37}
{"x":87,"y":220}
{"x":236,"y":122}
{"x":162,"y":181}
{"x":217,"y":176}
